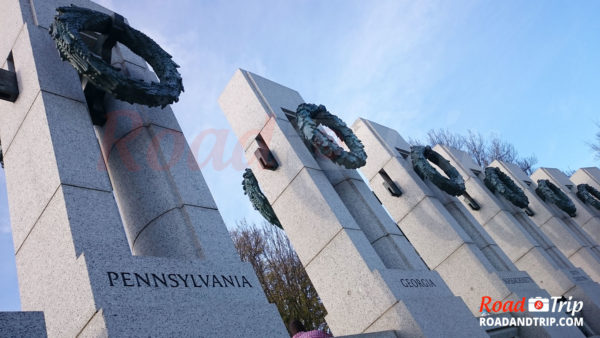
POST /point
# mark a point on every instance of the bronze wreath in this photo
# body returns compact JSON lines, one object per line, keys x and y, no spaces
{"x":552,"y":194}
{"x":258,"y":199}
{"x":309,"y":116}
{"x":588,"y":194}
{"x":65,"y":30}
{"x":420,"y":155}
{"x":499,"y":182}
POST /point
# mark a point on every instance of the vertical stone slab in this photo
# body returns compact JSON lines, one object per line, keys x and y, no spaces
{"x":589,"y":176}
{"x":75,"y":261}
{"x":46,"y":184}
{"x":586,"y":216}
{"x":525,"y":244}
{"x":568,"y":237}
{"x":366,"y":272}
{"x":22,"y":324}
{"x":448,"y":238}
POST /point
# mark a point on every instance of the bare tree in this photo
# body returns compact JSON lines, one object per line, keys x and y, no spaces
{"x":415,"y":142}
{"x":568,"y":172}
{"x":483,"y":151}
{"x":596,"y":145}
{"x":527,"y":164}
{"x":500,"y":150}
{"x":280,"y":273}
{"x":475,"y":145}
{"x":446,"y":137}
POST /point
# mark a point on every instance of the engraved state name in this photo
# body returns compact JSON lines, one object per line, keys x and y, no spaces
{"x":175,"y":280}
{"x":517,"y":280}
{"x":417,"y":283}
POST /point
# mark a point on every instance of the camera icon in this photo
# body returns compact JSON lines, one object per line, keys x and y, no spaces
{"x":538,"y":304}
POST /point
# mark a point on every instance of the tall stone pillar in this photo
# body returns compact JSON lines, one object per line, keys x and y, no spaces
{"x":586,"y":216}
{"x":524,"y":242}
{"x":366,"y":272}
{"x":74,"y":260}
{"x":589,"y":176}
{"x":444,"y":233}
{"x":22,"y":324}
{"x":566,"y":234}
{"x":165,"y":203}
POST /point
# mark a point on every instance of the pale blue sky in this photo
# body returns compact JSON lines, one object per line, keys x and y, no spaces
{"x":528,"y":71}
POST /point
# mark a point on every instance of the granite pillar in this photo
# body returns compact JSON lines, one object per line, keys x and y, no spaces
{"x":586,"y":216}
{"x":524,"y":243}
{"x":444,"y":233}
{"x":366,"y":272}
{"x":557,"y":225}
{"x":590,"y":175}
{"x":22,"y":324}
{"x":157,"y":263}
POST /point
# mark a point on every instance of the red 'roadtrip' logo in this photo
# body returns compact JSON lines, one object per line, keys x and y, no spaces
{"x":535,"y":304}
{"x":538,"y":308}
{"x":500,"y":306}
{"x":132,"y":120}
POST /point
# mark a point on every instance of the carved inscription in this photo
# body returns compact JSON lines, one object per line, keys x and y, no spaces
{"x":175,"y":280}
{"x":417,"y":283}
{"x":517,"y":280}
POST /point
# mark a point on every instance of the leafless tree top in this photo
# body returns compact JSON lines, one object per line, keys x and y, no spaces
{"x":596,"y":145}
{"x":484,"y":151}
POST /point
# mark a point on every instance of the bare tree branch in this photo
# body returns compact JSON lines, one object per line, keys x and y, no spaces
{"x":483,"y":151}
{"x":280,"y":273}
{"x":415,"y":142}
{"x":475,"y":145}
{"x":596,"y":146}
{"x":446,"y":137}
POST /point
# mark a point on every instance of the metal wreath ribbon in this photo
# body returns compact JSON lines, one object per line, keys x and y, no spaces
{"x":420,"y":155}
{"x":65,"y":30}
{"x":309,"y":116}
{"x":258,"y":199}
{"x":552,"y":194}
{"x":588,"y":194}
{"x":499,"y":182}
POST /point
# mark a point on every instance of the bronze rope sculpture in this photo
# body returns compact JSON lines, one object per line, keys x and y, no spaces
{"x":309,"y":116}
{"x":589,"y":195}
{"x":550,"y":193}
{"x":65,"y":30}
{"x":453,"y":185}
{"x":499,"y":182}
{"x":258,"y":199}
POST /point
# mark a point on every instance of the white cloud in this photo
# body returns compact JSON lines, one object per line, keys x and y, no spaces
{"x":388,"y":63}
{"x":5,"y":229}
